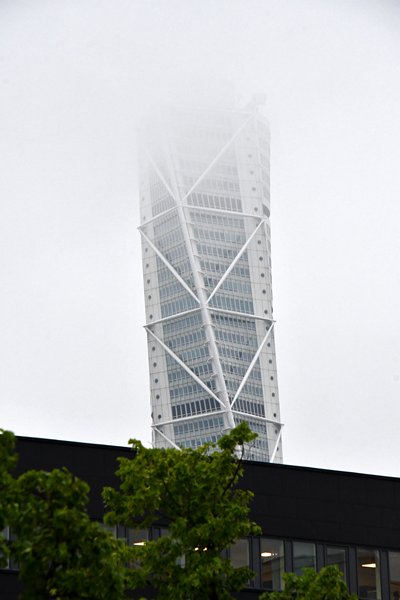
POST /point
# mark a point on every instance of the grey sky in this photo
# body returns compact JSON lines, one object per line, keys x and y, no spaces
{"x":75,"y":77}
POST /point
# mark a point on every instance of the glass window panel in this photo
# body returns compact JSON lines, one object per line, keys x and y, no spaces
{"x":394,"y":570}
{"x":240,"y":553}
{"x":368,"y":572}
{"x":303,"y":556}
{"x":137,"y":537}
{"x":111,"y":528}
{"x":272,"y":564}
{"x":335,"y":555}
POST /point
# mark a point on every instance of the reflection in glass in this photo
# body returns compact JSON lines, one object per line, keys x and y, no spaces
{"x":137,"y":537}
{"x":368,"y":572}
{"x":303,"y":556}
{"x":240,"y":553}
{"x":272,"y":564}
{"x":394,"y":571}
{"x":336,"y":555}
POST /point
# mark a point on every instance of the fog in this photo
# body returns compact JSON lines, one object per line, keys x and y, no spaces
{"x":76,"y":79}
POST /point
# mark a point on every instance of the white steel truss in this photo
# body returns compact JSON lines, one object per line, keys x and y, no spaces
{"x":185,"y":367}
{"x":226,"y":402}
{"x":169,"y":266}
{"x":251,"y":365}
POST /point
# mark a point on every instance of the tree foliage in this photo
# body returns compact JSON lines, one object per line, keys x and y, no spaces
{"x":8,"y":460}
{"x":195,"y":493}
{"x":327,"y":584}
{"x":61,"y":553}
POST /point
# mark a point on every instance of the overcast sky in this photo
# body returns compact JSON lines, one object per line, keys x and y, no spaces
{"x":75,"y":78}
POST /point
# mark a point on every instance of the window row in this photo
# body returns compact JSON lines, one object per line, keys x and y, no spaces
{"x":188,"y":322}
{"x":252,"y":408}
{"x":211,"y":201}
{"x":215,"y":235}
{"x":256,"y":426}
{"x":171,"y":289}
{"x":190,"y":388}
{"x":236,"y":354}
{"x":217,"y":251}
{"x":194,"y":354}
{"x":362,"y":568}
{"x":200,"y":441}
{"x":369,"y":573}
{"x":234,"y":323}
{"x":189,"y":339}
{"x":177,"y":306}
{"x":236,"y":338}
{"x":197,"y":407}
{"x":209,"y":266}
{"x":234,"y":369}
{"x":217,"y":220}
{"x":251,"y":389}
{"x":199,"y":425}
{"x":176,"y":372}
{"x":230,"y":303}
{"x":234,"y":285}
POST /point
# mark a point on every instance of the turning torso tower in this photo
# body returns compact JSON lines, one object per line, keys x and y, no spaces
{"x":205,"y":230}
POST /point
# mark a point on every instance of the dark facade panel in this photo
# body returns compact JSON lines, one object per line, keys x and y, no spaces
{"x":95,"y":464}
{"x":330,"y":506}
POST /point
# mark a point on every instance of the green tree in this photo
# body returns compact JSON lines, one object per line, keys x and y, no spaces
{"x":327,"y":584}
{"x":61,"y":553}
{"x":8,"y":461}
{"x":195,"y":492}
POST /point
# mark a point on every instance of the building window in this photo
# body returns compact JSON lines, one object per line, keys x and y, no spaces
{"x":394,"y":572}
{"x":239,"y":553}
{"x":368,"y":574}
{"x":336,"y":555}
{"x":272,"y":564}
{"x":303,"y":556}
{"x":137,"y":537}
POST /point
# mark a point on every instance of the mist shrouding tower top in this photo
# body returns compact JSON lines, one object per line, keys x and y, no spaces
{"x":205,"y":206}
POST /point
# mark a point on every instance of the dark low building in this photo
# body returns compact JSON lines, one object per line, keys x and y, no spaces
{"x":309,"y":517}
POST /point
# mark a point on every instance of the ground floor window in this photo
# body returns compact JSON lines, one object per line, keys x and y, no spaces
{"x":272,"y":564}
{"x":368,"y":574}
{"x":303,"y":556}
{"x":239,"y":553}
{"x":394,"y":572}
{"x":336,"y":555}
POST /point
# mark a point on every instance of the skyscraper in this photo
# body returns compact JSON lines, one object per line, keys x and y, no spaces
{"x":204,"y":198}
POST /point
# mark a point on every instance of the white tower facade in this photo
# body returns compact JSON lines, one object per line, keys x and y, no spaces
{"x":205,"y":207}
